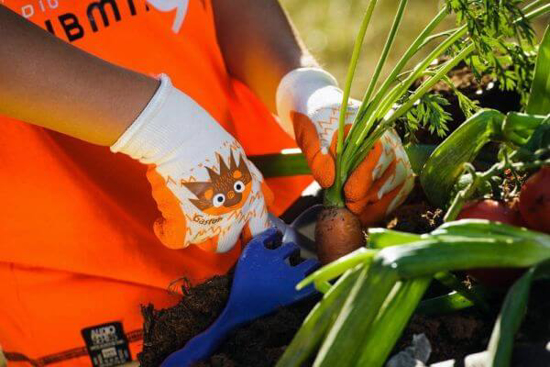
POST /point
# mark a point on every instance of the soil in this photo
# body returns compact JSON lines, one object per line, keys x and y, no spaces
{"x":416,"y":215}
{"x":166,"y":331}
{"x":258,"y":344}
{"x":262,"y":342}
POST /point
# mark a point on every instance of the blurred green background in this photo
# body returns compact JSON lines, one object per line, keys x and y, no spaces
{"x":329,"y":27}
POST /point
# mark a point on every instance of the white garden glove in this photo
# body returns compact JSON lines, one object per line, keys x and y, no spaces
{"x":309,"y":101}
{"x":207,"y":190}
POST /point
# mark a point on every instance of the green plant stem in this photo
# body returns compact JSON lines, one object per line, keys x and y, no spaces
{"x":531,"y":165}
{"x":411,"y":51}
{"x":357,"y":145}
{"x":281,"y":165}
{"x":533,"y":5}
{"x":381,"y":238}
{"x":426,"y":86}
{"x":368,"y":107}
{"x":368,"y":144}
{"x":484,"y":229}
{"x":383,"y":57}
{"x":446,"y":33}
{"x":295,"y":164}
{"x":404,"y":86}
{"x":464,"y":195}
{"x":538,"y":12}
{"x":515,"y":127}
{"x":515,"y":306}
{"x":365,"y":120}
{"x":334,"y":196}
{"x":322,"y":287}
{"x":518,"y":127}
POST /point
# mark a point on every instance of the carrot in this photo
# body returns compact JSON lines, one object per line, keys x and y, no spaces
{"x":534,"y":201}
{"x":337,"y":233}
{"x":499,"y":212}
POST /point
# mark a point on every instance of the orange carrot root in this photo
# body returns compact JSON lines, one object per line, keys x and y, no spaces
{"x":338,"y":232}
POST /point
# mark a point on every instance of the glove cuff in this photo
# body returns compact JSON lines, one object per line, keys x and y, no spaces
{"x":171,"y":124}
{"x":133,"y":141}
{"x":296,"y":89}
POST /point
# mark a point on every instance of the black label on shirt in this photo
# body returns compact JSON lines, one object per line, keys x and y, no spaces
{"x":107,"y":344}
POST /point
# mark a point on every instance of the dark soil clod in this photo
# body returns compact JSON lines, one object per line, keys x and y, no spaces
{"x":258,"y":344}
{"x":165,"y":331}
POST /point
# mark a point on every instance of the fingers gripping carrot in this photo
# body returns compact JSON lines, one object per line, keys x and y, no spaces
{"x":321,"y":160}
{"x":311,"y":100}
{"x":381,"y":182}
{"x":171,"y":229}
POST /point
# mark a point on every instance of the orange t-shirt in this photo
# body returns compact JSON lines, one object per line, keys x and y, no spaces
{"x":77,"y":252}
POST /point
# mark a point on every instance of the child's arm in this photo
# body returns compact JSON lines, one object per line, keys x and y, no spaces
{"x":262,"y":50}
{"x":259,"y":44}
{"x":47,"y":82}
{"x":52,"y":84}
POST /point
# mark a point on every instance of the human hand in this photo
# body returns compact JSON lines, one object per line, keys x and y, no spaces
{"x":208,"y":192}
{"x":310,"y":100}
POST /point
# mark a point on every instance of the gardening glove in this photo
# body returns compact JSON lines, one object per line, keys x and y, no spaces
{"x":206,"y":189}
{"x":309,"y":101}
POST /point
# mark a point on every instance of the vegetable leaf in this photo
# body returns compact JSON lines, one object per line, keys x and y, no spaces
{"x":539,"y":101}
{"x":469,"y":107}
{"x":429,"y":113}
{"x":512,"y":314}
{"x":503,"y":39}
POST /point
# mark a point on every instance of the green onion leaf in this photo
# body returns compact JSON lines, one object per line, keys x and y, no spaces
{"x":446,"y":164}
{"x":511,"y":316}
{"x":539,"y":100}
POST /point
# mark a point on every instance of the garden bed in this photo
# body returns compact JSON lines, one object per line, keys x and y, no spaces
{"x":452,"y":336}
{"x":260,"y":344}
